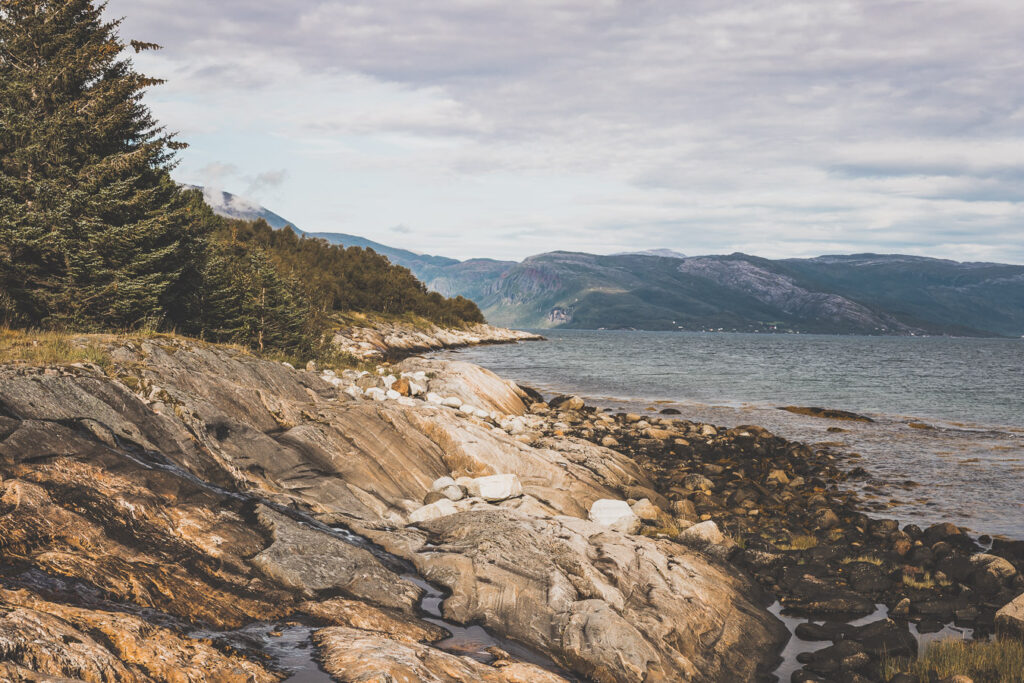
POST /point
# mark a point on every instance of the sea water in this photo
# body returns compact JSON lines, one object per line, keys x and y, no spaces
{"x":946,"y":444}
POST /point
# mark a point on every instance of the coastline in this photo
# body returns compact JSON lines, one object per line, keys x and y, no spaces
{"x":438,"y":487}
{"x":377,"y":338}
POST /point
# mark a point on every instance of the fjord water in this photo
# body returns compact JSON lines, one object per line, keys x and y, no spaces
{"x":947,"y":443}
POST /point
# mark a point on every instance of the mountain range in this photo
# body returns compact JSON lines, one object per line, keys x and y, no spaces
{"x":664,"y":290}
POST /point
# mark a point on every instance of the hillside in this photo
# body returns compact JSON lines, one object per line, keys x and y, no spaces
{"x":661,"y":289}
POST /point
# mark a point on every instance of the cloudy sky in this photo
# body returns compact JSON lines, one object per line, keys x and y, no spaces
{"x":503,"y":129}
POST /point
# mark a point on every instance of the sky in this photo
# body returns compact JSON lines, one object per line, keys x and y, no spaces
{"x":489,"y":128}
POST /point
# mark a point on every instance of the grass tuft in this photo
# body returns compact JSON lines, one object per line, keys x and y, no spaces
{"x":983,"y":661}
{"x":798,"y":542}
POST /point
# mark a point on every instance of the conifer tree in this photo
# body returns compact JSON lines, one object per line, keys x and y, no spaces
{"x":93,"y":231}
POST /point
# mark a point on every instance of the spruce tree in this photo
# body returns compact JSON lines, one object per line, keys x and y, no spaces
{"x":93,"y":231}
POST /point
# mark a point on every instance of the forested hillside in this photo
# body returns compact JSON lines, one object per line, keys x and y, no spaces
{"x":95,"y":235}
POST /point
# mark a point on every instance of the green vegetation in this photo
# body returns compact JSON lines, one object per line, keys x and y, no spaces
{"x":50,"y":348}
{"x":983,"y":661}
{"x":96,"y":236}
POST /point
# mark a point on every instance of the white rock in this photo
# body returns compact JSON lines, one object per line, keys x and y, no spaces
{"x":436,"y":399}
{"x":407,"y":402}
{"x":416,"y":389}
{"x":703,"y":533}
{"x":392,"y":394}
{"x":389,"y":380}
{"x":615,"y":514}
{"x":376,"y":393}
{"x":495,"y":487}
{"x":468,"y":409}
{"x":354,"y":391}
{"x":442,"y":483}
{"x":288,"y":365}
{"x":482,"y":414}
{"x":439,"y":508}
{"x":452,"y":402}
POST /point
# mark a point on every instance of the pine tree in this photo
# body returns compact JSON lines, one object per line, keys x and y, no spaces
{"x":93,"y":231}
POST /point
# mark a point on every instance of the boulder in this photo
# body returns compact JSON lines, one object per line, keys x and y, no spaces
{"x":435,"y":398}
{"x":435,"y":510}
{"x":646,"y":510}
{"x":1010,"y":619}
{"x":705,"y":533}
{"x":495,"y":487}
{"x":452,"y":402}
{"x":609,"y":442}
{"x":777,"y":477}
{"x":615,"y":514}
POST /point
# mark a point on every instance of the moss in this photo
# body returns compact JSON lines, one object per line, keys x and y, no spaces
{"x":983,"y":661}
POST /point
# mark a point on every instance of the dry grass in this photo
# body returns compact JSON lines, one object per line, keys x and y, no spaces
{"x":51,"y":348}
{"x":925,"y":582}
{"x":870,"y":559}
{"x":984,"y":661}
{"x":798,"y":542}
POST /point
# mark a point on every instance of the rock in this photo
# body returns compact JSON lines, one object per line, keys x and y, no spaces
{"x":311,"y":366}
{"x":646,"y":510}
{"x":610,"y":606}
{"x":684,"y":509}
{"x":609,"y":442}
{"x":704,"y":533}
{"x":777,"y":477}
{"x":416,"y":389}
{"x":567,"y":403}
{"x":376,"y":393}
{"x":392,"y":395}
{"x":435,"y":398}
{"x":439,"y":508}
{"x":310,"y":561}
{"x":825,"y":519}
{"x":1009,"y":620}
{"x":355,"y":655}
{"x":697,"y":482}
{"x":615,"y":514}
{"x":633,"y":418}
{"x":940,"y":532}
{"x":452,"y":402}
{"x":402,"y":386}
{"x":448,"y":488}
{"x":708,"y":430}
{"x":495,"y":487}
{"x":539,"y":408}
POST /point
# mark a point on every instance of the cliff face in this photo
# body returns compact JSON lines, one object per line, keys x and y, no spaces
{"x":197,"y":487}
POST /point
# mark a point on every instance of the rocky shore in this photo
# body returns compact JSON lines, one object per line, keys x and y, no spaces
{"x":377,"y":339}
{"x":431,"y":521}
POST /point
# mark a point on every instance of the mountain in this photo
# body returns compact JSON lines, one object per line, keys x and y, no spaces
{"x":667,"y":253}
{"x":857,"y":294}
{"x":661,"y":289}
{"x":232,"y":206}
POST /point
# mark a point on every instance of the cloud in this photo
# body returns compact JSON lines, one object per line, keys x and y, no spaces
{"x":503,"y":129}
{"x":401,"y":229}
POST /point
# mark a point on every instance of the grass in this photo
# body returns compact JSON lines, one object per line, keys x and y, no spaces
{"x":798,"y":542}
{"x":51,"y":348}
{"x":926,"y":582}
{"x":870,"y":559}
{"x":984,"y":661}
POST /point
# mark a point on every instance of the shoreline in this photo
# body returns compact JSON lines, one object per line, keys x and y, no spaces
{"x":368,"y":338}
{"x":481,"y":486}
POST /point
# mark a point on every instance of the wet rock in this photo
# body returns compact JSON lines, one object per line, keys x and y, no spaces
{"x":359,"y":615}
{"x":567,"y":403}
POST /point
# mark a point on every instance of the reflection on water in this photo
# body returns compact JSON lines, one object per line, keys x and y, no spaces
{"x":947,"y":443}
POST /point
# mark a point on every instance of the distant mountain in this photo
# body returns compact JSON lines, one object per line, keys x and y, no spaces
{"x":666,"y":253}
{"x":664,"y":290}
{"x":232,"y":206}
